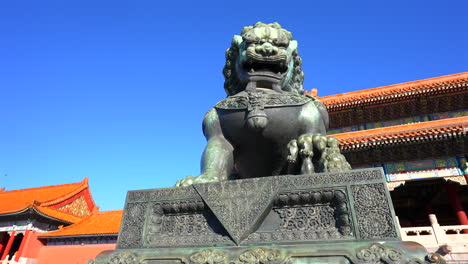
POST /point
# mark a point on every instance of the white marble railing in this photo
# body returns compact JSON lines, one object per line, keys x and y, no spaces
{"x":436,"y":235}
{"x":422,"y":235}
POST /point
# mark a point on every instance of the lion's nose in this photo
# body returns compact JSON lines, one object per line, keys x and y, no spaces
{"x":266,"y":49}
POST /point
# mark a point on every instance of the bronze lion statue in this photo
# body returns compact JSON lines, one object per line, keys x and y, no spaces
{"x":267,"y":125}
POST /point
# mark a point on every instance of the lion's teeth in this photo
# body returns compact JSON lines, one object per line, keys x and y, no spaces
{"x":252,"y":70}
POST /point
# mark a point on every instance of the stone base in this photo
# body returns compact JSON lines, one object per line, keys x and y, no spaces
{"x":340,"y":253}
{"x":344,"y":217}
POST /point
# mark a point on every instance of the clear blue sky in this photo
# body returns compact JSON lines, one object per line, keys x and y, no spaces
{"x":116,"y":90}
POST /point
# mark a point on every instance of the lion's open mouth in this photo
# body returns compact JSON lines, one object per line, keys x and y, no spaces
{"x":260,"y":70}
{"x":265,"y":75}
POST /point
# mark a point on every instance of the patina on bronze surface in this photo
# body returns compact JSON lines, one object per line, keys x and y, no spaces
{"x":267,"y":125}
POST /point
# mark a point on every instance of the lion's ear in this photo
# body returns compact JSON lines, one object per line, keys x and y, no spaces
{"x":236,"y":41}
{"x":288,"y":34}
{"x":283,"y":38}
{"x":276,"y":25}
{"x":246,"y":29}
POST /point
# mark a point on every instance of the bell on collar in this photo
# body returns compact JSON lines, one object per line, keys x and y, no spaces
{"x":257,"y":119}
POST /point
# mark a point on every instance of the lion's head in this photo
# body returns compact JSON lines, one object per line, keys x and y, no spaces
{"x":265,"y":55}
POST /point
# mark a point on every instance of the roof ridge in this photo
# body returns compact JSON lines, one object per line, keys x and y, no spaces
{"x":405,"y":89}
{"x":61,"y":215}
{"x":442,"y":123}
{"x":403,"y":134}
{"x":76,"y":225}
{"x":84,"y":185}
{"x":82,"y":220}
{"x":85,"y":179}
{"x":421,"y":81}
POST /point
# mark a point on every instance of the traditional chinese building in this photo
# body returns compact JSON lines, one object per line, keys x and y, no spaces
{"x":59,"y":220}
{"x":416,"y":132}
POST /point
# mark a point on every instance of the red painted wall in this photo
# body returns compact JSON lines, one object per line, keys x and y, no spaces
{"x":70,"y":254}
{"x":32,"y":247}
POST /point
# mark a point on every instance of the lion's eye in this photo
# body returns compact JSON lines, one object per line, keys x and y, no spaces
{"x":281,"y":44}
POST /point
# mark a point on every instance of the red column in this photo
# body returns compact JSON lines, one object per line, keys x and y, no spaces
{"x":456,"y":204}
{"x":8,"y":245}
{"x":23,"y":244}
{"x":2,"y":242}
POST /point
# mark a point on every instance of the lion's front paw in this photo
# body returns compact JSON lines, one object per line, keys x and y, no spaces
{"x":315,"y":153}
{"x":334,"y":161}
{"x":305,"y":145}
{"x":302,"y":151}
{"x":189,"y":180}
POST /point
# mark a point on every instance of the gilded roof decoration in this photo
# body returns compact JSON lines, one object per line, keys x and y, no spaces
{"x":77,"y":207}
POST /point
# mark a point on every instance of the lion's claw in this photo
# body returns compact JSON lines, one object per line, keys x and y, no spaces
{"x":189,"y":180}
{"x":317,"y":153}
{"x":305,"y":153}
{"x":292,"y":151}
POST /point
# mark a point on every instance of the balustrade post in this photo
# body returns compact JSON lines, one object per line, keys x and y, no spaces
{"x":402,"y":232}
{"x":438,"y":232}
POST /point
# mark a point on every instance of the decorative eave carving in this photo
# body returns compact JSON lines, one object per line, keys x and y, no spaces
{"x":404,"y":134}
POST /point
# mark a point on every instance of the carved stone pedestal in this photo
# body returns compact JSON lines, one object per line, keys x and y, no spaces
{"x":344,"y":217}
